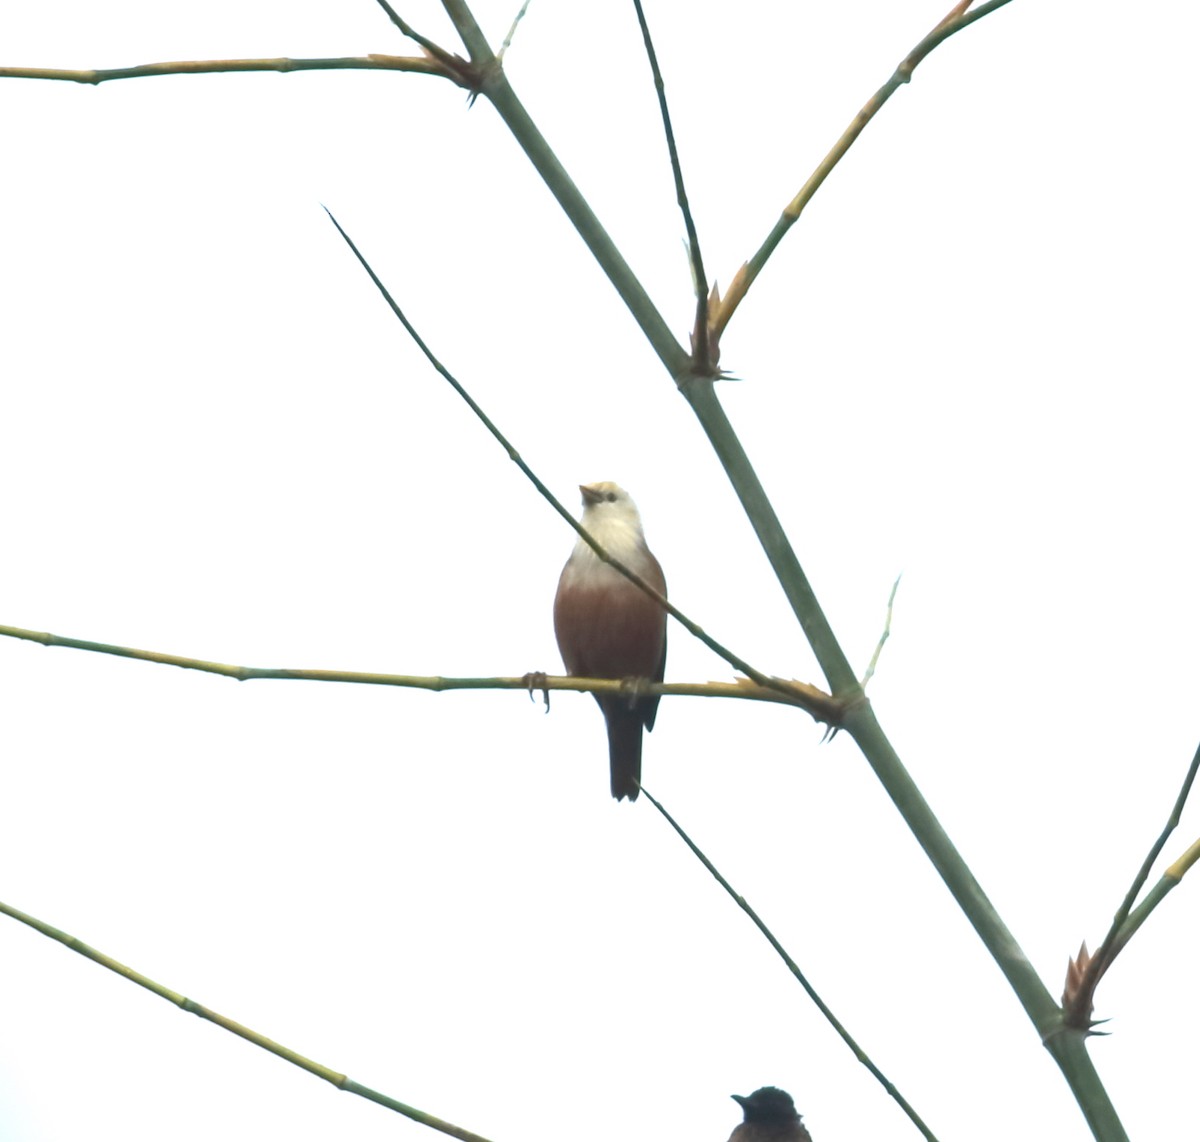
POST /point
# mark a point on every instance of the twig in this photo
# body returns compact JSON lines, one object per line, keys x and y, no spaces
{"x":512,"y":31}
{"x":954,"y":21}
{"x":792,"y":966}
{"x":816,"y":702}
{"x":692,"y":628}
{"x":1126,"y":922}
{"x":887,"y":630}
{"x":449,"y":60}
{"x":1170,"y":879}
{"x":702,"y":362}
{"x":181,"y":1001}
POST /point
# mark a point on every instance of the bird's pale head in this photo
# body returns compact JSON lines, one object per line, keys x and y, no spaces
{"x":606,"y":498}
{"x":610,"y":515}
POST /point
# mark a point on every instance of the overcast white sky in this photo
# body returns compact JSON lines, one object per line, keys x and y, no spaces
{"x":974,"y":361}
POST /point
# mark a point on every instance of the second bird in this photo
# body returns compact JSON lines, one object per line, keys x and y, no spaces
{"x":608,"y":628}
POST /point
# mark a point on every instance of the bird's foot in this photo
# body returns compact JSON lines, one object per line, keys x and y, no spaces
{"x":536,"y":680}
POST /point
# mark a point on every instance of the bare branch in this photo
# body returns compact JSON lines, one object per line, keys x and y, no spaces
{"x":1125,"y":923}
{"x":792,"y":966}
{"x":816,"y":702}
{"x":342,"y":1082}
{"x":704,"y":359}
{"x":887,"y":632}
{"x":954,"y":21}
{"x":691,"y":627}
{"x":373,"y":62}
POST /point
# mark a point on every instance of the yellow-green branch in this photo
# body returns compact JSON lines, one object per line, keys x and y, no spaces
{"x":820,"y":705}
{"x":955,"y":20}
{"x":341,"y":1081}
{"x":424,"y":64}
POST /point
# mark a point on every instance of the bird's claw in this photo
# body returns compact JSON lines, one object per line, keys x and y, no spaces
{"x":536,"y":680}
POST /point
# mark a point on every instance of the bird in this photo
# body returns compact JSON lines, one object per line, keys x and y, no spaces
{"x":609,"y":628}
{"x":770,"y":1116}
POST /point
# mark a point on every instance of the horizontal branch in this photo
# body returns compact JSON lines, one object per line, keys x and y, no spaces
{"x":373,"y":62}
{"x":693,"y":628}
{"x":820,"y":705}
{"x":342,"y":1082}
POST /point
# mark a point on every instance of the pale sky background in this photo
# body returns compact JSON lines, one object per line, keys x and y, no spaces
{"x":974,"y":361}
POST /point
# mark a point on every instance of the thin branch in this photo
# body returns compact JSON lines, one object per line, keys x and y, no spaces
{"x":702,"y":361}
{"x":512,"y":31}
{"x":452,"y":66}
{"x":789,"y":693}
{"x":692,"y":628}
{"x":954,"y":21}
{"x":448,"y":60}
{"x":494,"y":87}
{"x":1169,"y":880}
{"x":1046,"y":1015}
{"x":1079,"y":1011}
{"x":887,"y":631}
{"x":371,"y":62}
{"x":181,"y":1001}
{"x":792,"y":966}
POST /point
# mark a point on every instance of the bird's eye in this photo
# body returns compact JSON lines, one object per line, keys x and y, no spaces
{"x":611,"y":497}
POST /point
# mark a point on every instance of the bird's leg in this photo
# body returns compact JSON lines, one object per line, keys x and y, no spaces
{"x":536,"y":680}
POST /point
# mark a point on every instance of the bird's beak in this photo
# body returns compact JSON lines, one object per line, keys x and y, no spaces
{"x":590,"y":495}
{"x":740,"y":1099}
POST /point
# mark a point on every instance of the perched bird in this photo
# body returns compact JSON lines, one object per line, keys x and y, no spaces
{"x":608,"y":628}
{"x":770,"y":1116}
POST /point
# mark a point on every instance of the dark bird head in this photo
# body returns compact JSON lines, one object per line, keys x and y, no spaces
{"x":768,"y":1106}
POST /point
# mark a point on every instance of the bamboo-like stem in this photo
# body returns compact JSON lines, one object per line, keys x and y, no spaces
{"x":869,"y":673}
{"x":702,"y":362}
{"x":688,"y":624}
{"x":421,"y":64}
{"x":699,"y":391}
{"x":954,"y":21}
{"x":494,"y":87}
{"x":702,"y":396}
{"x":794,"y":968}
{"x":450,"y":61}
{"x":341,"y":1081}
{"x":820,"y":705}
{"x":1064,"y":1043}
{"x":1169,"y":880}
{"x":1126,"y":921}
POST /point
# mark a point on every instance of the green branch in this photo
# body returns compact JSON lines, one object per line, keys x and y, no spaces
{"x":422,"y":64}
{"x":286,"y":1053}
{"x":816,"y":702}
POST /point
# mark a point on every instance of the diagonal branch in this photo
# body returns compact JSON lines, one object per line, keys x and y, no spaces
{"x":792,"y":966}
{"x":887,"y":632}
{"x":453,"y":65}
{"x":498,"y":91}
{"x":342,"y":1082}
{"x":1078,"y":1010}
{"x":954,"y":21}
{"x":692,"y":628}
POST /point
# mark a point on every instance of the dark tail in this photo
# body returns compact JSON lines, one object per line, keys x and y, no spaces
{"x":624,"y":748}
